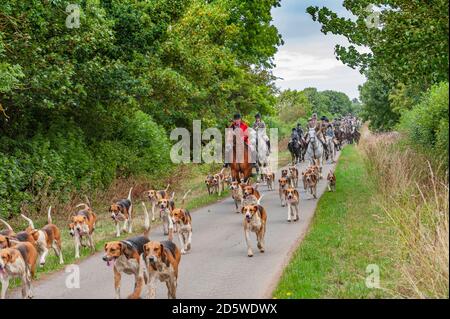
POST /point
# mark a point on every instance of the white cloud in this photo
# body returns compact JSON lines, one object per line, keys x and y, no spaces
{"x":307,"y":59}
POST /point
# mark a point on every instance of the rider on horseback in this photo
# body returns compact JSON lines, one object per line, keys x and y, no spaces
{"x":260,"y":127}
{"x":238,"y":123}
{"x":299,"y":130}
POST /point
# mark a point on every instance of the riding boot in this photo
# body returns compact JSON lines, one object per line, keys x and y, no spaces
{"x":268,"y":147}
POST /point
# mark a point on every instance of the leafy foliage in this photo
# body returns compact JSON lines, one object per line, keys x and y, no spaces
{"x":91,"y":104}
{"x":408,"y":51}
{"x":426,"y":125}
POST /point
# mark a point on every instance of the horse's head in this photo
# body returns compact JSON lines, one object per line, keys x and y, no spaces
{"x":312,"y":134}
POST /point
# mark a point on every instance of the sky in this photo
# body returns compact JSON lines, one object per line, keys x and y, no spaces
{"x":307,"y":57}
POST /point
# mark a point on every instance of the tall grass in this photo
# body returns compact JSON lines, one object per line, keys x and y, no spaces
{"x":415,"y":201}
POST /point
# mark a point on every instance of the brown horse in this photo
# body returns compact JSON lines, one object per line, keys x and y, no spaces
{"x":240,"y":166}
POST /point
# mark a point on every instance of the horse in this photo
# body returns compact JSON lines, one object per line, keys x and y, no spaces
{"x":295,"y":148}
{"x":314,"y":150}
{"x":261,"y":151}
{"x":241,"y":167}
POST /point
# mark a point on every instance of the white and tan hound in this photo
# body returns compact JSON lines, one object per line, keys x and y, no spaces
{"x":121,"y":211}
{"x":46,"y":238}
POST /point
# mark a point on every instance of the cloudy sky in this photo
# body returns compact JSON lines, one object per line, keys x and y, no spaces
{"x":307,"y":58}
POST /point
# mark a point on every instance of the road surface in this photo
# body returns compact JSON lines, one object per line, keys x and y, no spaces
{"x":217,"y":265}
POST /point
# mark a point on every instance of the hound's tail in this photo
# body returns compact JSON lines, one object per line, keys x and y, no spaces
{"x":86,"y":206}
{"x":147,"y":224}
{"x":184,"y":197}
{"x":49,"y":216}
{"x":30,"y":222}
{"x":170,"y":227}
{"x":87,"y":201}
{"x":6,"y":224}
{"x":258,"y":202}
{"x":129,"y":194}
{"x":172,"y":196}
{"x":167,"y":188}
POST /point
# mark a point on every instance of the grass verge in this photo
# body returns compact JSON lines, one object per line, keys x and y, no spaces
{"x":346,"y":236}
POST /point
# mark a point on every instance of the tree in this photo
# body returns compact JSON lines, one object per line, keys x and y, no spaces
{"x":411,"y":42}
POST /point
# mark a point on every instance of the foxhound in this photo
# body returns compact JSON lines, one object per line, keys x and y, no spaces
{"x":155,"y":196}
{"x":255,"y":219}
{"x":292,"y":200}
{"x":46,"y":238}
{"x":237,"y":194}
{"x":124,"y":257}
{"x":82,"y":224}
{"x":293,"y":176}
{"x":331,"y":178}
{"x":183,"y":221}
{"x":121,"y":211}
{"x":18,"y":261}
{"x":283,"y":184}
{"x":162,"y":260}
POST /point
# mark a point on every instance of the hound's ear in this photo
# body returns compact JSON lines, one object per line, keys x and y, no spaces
{"x":242,"y":210}
{"x":35,"y":234}
{"x":104,"y":247}
{"x":8,"y":242}
{"x":163,"y":255}
{"x":8,"y":256}
{"x":122,"y":247}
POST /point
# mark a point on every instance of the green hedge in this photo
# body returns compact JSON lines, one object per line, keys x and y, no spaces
{"x":61,"y":161}
{"x":426,"y":124}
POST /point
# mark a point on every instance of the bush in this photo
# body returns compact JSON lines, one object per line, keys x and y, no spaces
{"x":426,"y":124}
{"x":55,"y":164}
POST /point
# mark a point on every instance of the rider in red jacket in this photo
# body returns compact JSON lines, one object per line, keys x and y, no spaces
{"x":238,"y":123}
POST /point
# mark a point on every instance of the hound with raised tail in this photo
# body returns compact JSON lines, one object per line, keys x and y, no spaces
{"x":121,"y":211}
{"x":161,"y":261}
{"x":46,"y":238}
{"x":82,"y":224}
{"x":18,"y":261}
{"x":22,"y":236}
{"x":155,"y":196}
{"x":292,"y":200}
{"x":255,"y":221}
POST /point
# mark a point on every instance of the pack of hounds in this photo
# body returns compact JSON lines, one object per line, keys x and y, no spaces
{"x":148,"y":260}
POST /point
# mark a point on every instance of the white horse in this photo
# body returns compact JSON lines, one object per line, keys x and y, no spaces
{"x":314,"y":152}
{"x":258,"y":143}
